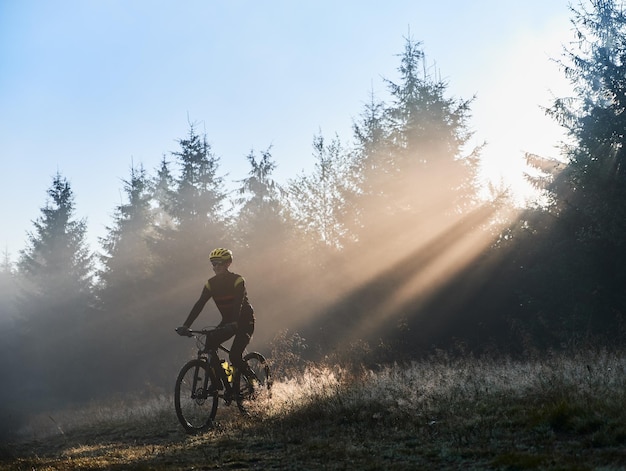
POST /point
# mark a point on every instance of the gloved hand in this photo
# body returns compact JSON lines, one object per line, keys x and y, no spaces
{"x":183,"y":330}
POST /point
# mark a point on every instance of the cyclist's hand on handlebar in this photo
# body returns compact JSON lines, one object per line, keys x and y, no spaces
{"x":184,"y":331}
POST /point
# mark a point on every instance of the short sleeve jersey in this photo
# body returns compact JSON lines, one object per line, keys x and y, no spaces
{"x":228,"y":290}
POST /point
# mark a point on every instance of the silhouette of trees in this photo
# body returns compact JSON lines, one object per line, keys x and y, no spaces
{"x":556,"y":275}
{"x":553,"y":276}
{"x":416,"y":140}
{"x":127,"y":274}
{"x":195,"y":205}
{"x":57,"y":266}
{"x":260,"y":219}
{"x":590,"y":214}
{"x":56,"y":304}
{"x":127,"y":259}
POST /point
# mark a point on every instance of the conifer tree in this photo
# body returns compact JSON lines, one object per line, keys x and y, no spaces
{"x":260,"y":213}
{"x":411,"y":152}
{"x":428,"y":134}
{"x":56,"y":305}
{"x":127,"y":257}
{"x":588,"y":270}
{"x":57,"y":264}
{"x":195,"y":206}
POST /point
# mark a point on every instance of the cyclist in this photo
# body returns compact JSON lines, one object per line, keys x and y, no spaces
{"x":228,"y":291}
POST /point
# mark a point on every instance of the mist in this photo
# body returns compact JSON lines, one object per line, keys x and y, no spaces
{"x":386,"y":252}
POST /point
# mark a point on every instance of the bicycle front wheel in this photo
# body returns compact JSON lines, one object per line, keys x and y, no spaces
{"x":195,"y":404}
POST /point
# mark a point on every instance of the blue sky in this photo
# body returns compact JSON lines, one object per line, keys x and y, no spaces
{"x":87,"y":87}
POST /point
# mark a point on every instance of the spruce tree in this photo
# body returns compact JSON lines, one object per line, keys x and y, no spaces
{"x":590,"y":208}
{"x":263,"y":251}
{"x":127,"y":259}
{"x":57,"y":264}
{"x":411,"y":154}
{"x":195,"y":205}
{"x":428,"y":133}
{"x":260,"y":218}
{"x":56,"y":305}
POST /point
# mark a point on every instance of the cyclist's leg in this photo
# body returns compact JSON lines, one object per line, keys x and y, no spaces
{"x":241,"y":341}
{"x":213,"y":340}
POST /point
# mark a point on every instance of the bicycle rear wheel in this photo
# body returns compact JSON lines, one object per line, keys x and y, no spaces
{"x":195,"y":406}
{"x":255,"y":379}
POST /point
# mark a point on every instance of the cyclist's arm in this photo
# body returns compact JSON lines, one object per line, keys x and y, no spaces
{"x":197,"y":308}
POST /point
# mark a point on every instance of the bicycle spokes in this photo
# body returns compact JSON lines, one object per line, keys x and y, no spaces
{"x":194,"y":409}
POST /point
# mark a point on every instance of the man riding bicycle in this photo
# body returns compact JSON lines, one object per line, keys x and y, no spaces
{"x":228,"y":291}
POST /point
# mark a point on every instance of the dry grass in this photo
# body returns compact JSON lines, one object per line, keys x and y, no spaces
{"x":556,"y":413}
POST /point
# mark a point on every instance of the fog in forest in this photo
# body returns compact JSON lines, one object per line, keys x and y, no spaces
{"x":386,"y":252}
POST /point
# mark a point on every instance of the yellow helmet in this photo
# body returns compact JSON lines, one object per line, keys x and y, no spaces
{"x":221,"y":255}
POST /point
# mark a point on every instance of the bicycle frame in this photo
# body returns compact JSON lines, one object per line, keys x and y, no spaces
{"x":214,"y":363}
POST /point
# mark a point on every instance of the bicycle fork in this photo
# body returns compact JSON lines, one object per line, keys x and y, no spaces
{"x":200,"y":384}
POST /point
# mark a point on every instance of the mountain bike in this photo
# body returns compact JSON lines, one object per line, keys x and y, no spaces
{"x":203,"y":381}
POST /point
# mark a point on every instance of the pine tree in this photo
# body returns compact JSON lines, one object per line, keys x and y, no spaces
{"x":57,"y":263}
{"x":56,"y":306}
{"x":127,"y":257}
{"x":412,"y":167}
{"x":595,"y":178}
{"x":590,"y":193}
{"x":195,"y":205}
{"x":260,"y":224}
{"x":428,"y":134}
{"x":263,"y":249}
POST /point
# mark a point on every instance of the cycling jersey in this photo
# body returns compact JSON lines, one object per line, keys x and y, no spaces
{"x":228,"y":291}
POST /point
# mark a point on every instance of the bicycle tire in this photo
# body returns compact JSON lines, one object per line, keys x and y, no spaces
{"x":254,"y":380}
{"x":195,"y":408}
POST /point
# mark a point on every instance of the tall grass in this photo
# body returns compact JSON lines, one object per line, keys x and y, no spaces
{"x":564,"y":411}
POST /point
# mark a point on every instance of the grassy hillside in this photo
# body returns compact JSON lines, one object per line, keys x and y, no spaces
{"x":557,"y":413}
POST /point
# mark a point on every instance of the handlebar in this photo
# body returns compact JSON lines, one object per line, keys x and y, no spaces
{"x":197,"y":333}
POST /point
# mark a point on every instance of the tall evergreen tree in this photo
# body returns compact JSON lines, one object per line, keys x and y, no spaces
{"x":57,"y":263}
{"x":56,"y":305}
{"x":373,"y":153}
{"x":428,"y":135}
{"x":260,"y":219}
{"x":127,"y":284}
{"x":263,"y":250}
{"x":591,"y":190}
{"x":411,"y":153}
{"x":127,"y":258}
{"x":195,"y":205}
{"x":191,"y":222}
{"x":411,"y":207}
